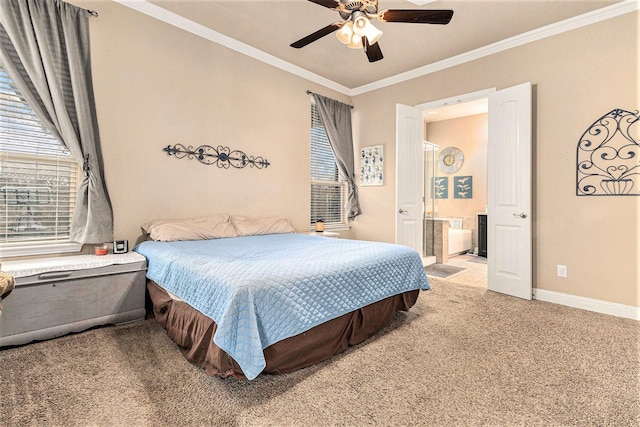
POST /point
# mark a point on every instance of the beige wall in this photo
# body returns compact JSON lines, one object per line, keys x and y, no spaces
{"x":469,"y":134}
{"x":577,"y":76}
{"x":157,"y":85}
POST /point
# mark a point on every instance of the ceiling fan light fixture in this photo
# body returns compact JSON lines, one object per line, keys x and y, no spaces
{"x":360,"y":23}
{"x":345,"y":34}
{"x":356,"y":42}
{"x":361,"y":26}
{"x":356,"y":30}
{"x":372,"y":33}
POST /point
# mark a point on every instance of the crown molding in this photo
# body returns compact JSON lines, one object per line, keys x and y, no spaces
{"x":579,"y":21}
{"x":608,"y":12}
{"x":178,"y":21}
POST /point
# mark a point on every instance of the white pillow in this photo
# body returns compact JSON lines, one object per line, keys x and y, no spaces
{"x":200,"y":228}
{"x":257,"y":226}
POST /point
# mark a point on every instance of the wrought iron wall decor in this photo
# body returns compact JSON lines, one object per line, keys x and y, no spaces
{"x":608,"y":156}
{"x":220,"y":156}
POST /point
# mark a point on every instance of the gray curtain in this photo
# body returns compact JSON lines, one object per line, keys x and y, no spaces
{"x":44,"y":46}
{"x":336,"y":119}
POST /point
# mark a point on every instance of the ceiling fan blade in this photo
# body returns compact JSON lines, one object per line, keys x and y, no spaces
{"x":331,"y":4}
{"x":317,"y":35}
{"x":416,"y":16}
{"x":372,"y":50}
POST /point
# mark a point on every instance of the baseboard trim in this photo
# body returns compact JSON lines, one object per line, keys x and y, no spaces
{"x":590,"y":304}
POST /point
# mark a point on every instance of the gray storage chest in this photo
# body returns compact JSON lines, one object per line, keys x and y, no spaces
{"x":55,"y":296}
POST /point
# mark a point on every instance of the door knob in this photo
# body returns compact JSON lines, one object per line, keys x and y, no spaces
{"x":520,"y":215}
{"x":402,"y":211}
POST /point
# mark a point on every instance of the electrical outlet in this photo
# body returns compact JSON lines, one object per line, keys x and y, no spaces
{"x":562,"y":270}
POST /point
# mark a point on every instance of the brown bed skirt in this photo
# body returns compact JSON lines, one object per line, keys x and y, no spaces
{"x":193,"y":332}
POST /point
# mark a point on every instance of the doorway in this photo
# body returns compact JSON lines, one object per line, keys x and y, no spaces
{"x":509,"y":184}
{"x":455,"y":189}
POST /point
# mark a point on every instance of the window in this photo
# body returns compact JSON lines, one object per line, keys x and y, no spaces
{"x":38,"y":177}
{"x":328,"y":190}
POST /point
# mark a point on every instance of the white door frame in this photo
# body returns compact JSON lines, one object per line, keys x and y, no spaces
{"x":459,"y":99}
{"x":407,"y":220}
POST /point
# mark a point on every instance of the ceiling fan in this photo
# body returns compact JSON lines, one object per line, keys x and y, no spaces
{"x":356,"y":31}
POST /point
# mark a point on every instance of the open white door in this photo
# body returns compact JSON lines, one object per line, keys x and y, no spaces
{"x":409,"y":177}
{"x":509,"y":194}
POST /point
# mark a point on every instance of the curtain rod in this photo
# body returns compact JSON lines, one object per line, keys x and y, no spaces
{"x":312,"y":93}
{"x":92,"y":13}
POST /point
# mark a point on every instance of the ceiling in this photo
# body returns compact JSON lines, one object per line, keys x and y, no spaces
{"x":271,"y":26}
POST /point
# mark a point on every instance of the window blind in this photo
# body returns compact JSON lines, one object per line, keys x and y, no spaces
{"x":38,"y":176}
{"x":328,"y":190}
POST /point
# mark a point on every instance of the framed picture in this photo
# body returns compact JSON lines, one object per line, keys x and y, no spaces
{"x":372,"y":165}
{"x":440,"y":185}
{"x":463,"y":187}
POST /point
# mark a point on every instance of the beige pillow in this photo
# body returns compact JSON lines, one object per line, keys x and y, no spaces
{"x":256,"y":226}
{"x":201,"y":228}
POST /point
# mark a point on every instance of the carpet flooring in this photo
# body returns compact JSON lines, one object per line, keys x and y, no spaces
{"x":462,"y":356}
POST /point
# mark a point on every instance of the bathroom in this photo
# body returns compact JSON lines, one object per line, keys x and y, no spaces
{"x":455,"y":182}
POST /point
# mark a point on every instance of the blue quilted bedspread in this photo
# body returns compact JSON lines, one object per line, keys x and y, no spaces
{"x":262,"y":289}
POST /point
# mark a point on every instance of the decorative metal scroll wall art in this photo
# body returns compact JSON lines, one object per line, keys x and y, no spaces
{"x":608,"y":158}
{"x":220,"y":156}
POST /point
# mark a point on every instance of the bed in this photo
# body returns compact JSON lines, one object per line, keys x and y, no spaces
{"x":274,"y":302}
